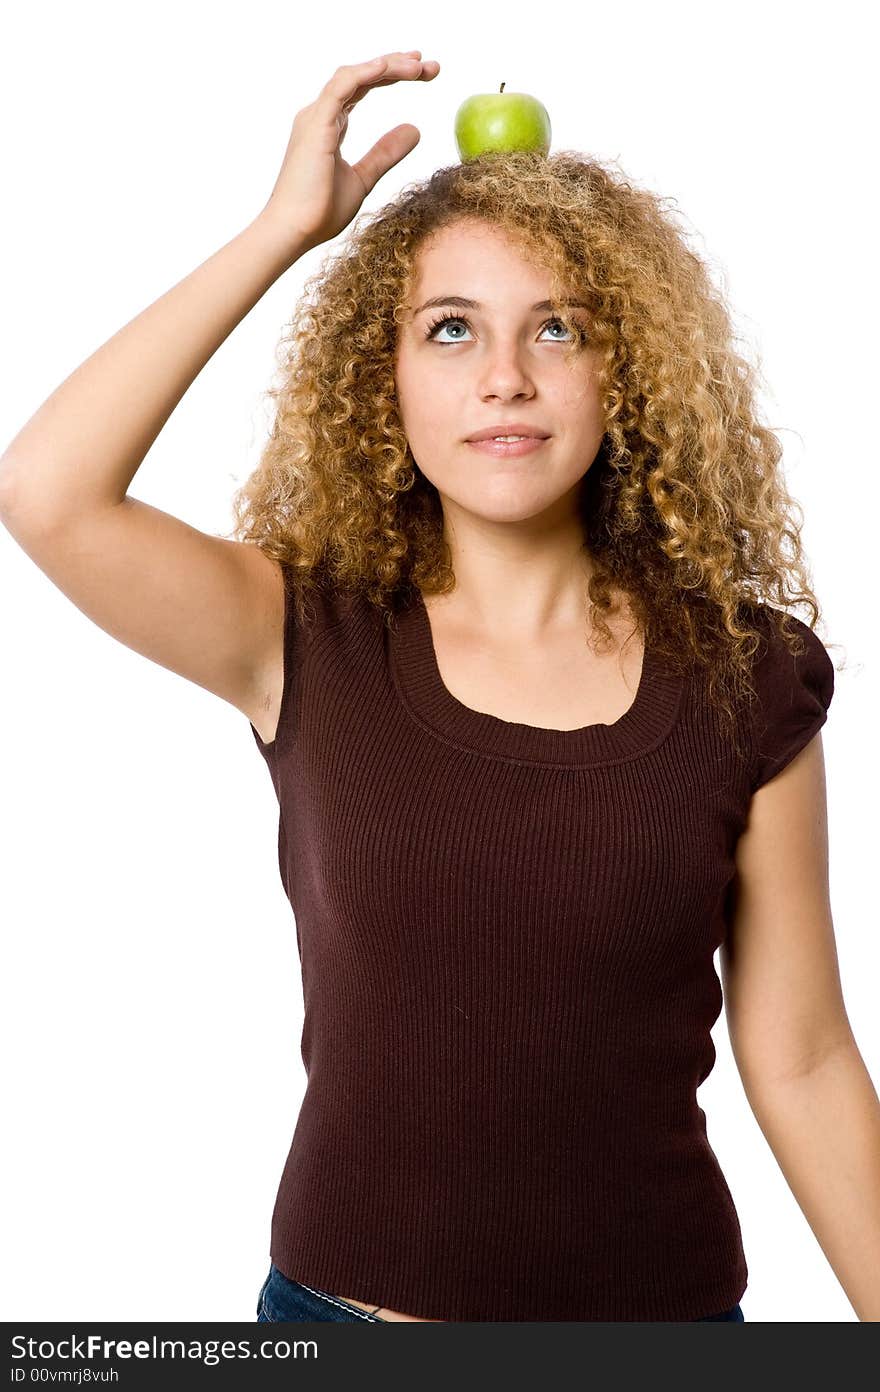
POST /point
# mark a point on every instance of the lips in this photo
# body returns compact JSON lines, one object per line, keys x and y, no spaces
{"x":513,"y":449}
{"x":491,"y":431}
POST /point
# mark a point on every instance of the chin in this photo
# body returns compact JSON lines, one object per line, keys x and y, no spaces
{"x":514,"y":507}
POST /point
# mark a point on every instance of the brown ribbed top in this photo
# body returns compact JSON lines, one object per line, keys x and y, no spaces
{"x":507,"y":938}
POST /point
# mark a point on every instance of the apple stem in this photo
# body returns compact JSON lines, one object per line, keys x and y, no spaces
{"x":501,"y":88}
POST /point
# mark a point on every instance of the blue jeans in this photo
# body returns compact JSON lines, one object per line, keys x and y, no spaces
{"x":282,"y":1299}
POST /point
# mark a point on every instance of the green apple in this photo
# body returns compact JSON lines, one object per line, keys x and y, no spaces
{"x":500,"y":121}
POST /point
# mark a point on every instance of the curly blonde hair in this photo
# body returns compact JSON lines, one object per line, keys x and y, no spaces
{"x":684,"y":508}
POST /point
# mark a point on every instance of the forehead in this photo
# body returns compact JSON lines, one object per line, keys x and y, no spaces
{"x":478,"y":261}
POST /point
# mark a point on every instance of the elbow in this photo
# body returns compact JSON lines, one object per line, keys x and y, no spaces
{"x":7,"y":487}
{"x":767,"y":1071}
{"x":20,"y":512}
{"x":27,"y":509}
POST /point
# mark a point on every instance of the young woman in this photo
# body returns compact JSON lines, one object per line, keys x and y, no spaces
{"x":498,"y":610}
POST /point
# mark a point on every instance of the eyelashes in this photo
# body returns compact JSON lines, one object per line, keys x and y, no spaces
{"x":437,"y":324}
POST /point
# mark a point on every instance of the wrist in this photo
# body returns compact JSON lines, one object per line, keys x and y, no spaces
{"x":284,"y":239}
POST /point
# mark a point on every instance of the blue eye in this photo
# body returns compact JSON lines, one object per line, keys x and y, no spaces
{"x":462,"y":319}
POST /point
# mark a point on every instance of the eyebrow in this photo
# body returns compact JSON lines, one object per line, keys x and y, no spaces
{"x":461,"y":303}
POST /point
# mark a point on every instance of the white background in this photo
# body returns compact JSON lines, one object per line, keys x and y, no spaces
{"x":151,"y":1001}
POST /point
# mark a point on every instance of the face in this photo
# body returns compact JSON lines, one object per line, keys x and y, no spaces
{"x":487,"y":366}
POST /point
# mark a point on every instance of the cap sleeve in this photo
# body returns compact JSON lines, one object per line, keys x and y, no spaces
{"x":792,"y":695}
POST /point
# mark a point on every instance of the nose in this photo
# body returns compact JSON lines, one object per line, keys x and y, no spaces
{"x":504,"y":374}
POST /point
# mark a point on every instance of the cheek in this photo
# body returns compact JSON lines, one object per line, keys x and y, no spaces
{"x":415,"y":391}
{"x":430,"y":410}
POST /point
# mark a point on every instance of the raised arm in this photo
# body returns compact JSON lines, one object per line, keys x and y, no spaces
{"x":198,"y":604}
{"x":206,"y":607}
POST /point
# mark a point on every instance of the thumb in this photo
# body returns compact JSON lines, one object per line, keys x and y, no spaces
{"x":388,"y":150}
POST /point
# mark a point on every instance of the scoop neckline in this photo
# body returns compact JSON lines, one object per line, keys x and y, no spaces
{"x":416,"y":671}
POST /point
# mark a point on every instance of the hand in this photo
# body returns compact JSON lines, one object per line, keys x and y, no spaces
{"x":316,"y":193}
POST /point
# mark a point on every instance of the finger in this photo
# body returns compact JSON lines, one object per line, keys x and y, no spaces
{"x":356,"y":77}
{"x":349,"y":84}
{"x":389,"y":150}
{"x":429,"y":68}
